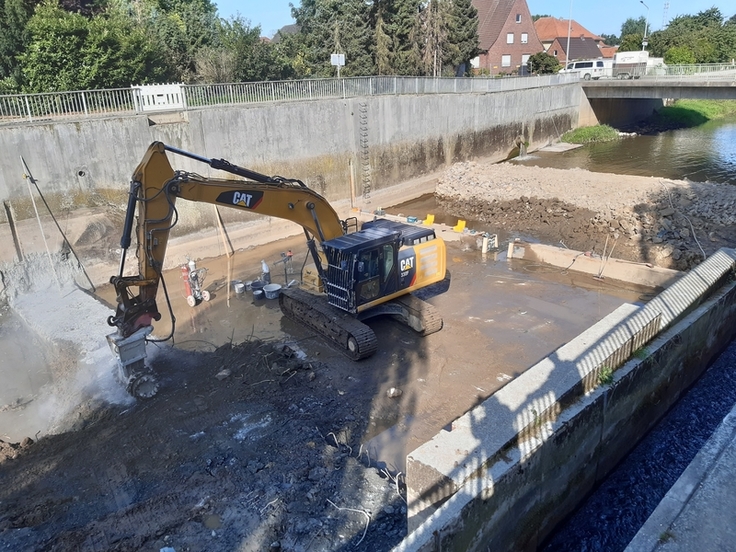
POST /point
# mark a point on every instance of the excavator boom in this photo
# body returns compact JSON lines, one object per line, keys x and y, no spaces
{"x":366,"y":273}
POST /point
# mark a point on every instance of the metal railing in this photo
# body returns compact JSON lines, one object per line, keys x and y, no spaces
{"x":705,"y":72}
{"x":15,"y":108}
{"x":54,"y":105}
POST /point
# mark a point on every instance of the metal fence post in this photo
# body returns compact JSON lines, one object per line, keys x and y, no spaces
{"x":84,"y":104}
{"x":28,"y":109}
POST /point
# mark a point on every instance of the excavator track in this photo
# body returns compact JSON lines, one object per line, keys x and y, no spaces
{"x":347,"y":333}
{"x":422,"y":317}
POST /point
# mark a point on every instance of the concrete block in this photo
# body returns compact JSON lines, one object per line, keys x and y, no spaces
{"x":440,"y":467}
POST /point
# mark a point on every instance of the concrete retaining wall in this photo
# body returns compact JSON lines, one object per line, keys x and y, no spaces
{"x":516,"y":465}
{"x":374,"y":142}
{"x":360,"y":152}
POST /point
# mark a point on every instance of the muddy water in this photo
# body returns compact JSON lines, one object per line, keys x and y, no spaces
{"x":500,"y":318}
{"x":24,"y":372}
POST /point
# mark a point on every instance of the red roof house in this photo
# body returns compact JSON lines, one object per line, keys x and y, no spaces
{"x":553,"y":33}
{"x":507,"y":36}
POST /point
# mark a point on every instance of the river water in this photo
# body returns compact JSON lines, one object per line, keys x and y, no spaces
{"x":703,"y":154}
{"x":610,"y":517}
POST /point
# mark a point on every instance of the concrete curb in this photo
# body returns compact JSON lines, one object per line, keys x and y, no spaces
{"x":489,"y":488}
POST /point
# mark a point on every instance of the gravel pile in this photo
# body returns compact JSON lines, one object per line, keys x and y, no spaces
{"x":669,"y":223}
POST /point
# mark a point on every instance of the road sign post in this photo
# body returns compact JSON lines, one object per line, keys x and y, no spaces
{"x":337,"y":60}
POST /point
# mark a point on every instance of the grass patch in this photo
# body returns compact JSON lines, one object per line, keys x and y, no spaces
{"x":588,"y":135}
{"x":605,"y":377}
{"x":666,"y":536}
{"x":641,"y":353}
{"x":691,"y":113}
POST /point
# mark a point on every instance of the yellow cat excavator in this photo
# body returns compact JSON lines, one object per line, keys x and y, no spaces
{"x":363,"y":273}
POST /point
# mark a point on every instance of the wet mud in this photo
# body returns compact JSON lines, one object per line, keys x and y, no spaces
{"x":264,"y":437}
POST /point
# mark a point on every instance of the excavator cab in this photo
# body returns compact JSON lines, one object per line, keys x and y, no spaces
{"x":360,"y":268}
{"x":367,"y":266}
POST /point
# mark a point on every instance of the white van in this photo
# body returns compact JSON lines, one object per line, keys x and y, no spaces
{"x":590,"y":68}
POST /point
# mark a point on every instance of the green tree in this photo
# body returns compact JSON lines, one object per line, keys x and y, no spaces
{"x":462,"y":36}
{"x":179,"y":28}
{"x":434,"y":31}
{"x":290,"y":53}
{"x":609,"y":39}
{"x":67,"y":51}
{"x":336,"y":26}
{"x":118,"y":54}
{"x":633,"y":27}
{"x":54,"y":55}
{"x":630,"y":43}
{"x":706,"y":35}
{"x":543,"y":64}
{"x":397,"y":35}
{"x":14,"y":15}
{"x":252,"y":58}
{"x":535,"y":17}
{"x":679,"y":55}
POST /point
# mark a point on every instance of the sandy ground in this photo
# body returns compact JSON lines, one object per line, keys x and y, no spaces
{"x":253,"y":446}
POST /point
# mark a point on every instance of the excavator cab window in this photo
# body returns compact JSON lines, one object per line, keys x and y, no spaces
{"x":388,"y":261}
{"x":368,"y":276}
{"x":362,"y":267}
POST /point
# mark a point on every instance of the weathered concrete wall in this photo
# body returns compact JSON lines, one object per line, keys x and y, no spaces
{"x":374,"y":142}
{"x":508,"y":494}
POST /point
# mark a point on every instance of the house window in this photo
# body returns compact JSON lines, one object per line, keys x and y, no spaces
{"x":518,"y":18}
{"x":524,"y":59}
{"x":509,"y":38}
{"x":506,"y":61}
{"x":555,"y":53}
{"x":524,"y":38}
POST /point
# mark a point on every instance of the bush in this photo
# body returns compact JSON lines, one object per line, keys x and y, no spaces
{"x":587,"y":135}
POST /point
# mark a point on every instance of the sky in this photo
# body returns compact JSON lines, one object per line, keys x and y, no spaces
{"x":596,"y":16}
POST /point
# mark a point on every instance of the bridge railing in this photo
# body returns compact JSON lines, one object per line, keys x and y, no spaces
{"x":16,"y":108}
{"x":703,"y":71}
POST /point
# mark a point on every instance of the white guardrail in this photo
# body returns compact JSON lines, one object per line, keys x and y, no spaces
{"x":15,"y":108}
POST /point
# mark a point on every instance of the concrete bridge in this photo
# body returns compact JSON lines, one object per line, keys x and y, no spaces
{"x":620,"y":103}
{"x":721,"y":86}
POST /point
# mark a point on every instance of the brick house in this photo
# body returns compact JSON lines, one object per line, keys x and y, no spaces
{"x":507,"y":36}
{"x":580,"y":48}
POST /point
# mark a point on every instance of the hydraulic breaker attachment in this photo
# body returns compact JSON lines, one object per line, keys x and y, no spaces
{"x":130,"y":353}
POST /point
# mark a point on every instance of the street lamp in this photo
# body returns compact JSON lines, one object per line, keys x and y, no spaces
{"x":569,"y":28}
{"x":646,"y":28}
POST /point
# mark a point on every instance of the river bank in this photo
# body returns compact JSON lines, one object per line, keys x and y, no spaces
{"x":669,"y":223}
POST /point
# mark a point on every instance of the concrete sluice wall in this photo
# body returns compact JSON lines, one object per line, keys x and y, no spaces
{"x":358,"y":152}
{"x":513,"y":467}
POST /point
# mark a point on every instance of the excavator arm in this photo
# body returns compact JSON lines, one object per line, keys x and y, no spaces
{"x":366,"y":273}
{"x":154,"y":189}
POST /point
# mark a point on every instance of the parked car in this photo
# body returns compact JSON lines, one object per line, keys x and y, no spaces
{"x":590,"y":68}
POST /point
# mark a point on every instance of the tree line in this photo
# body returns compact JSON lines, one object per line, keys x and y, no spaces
{"x":707,"y":37}
{"x":58,"y":45}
